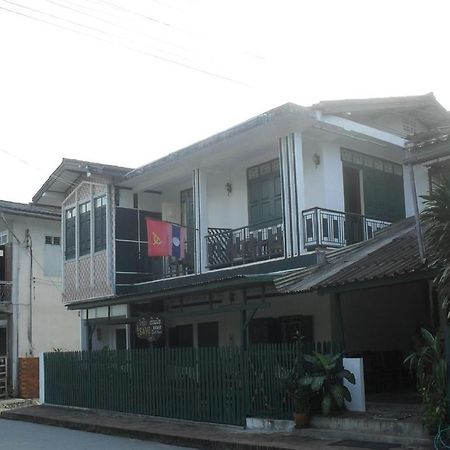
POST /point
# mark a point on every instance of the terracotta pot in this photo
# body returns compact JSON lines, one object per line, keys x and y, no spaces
{"x":301,"y":419}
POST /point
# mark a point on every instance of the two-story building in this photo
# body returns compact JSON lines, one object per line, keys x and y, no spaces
{"x":33,"y":318}
{"x":257,"y":201}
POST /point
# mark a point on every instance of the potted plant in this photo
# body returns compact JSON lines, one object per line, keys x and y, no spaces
{"x":301,"y":398}
{"x":325,"y":378}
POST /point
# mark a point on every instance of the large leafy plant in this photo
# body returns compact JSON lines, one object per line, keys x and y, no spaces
{"x":430,"y":367}
{"x":325,"y":377}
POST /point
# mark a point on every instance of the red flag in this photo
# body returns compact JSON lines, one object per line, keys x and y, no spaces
{"x":165,"y":238}
{"x":158,"y":235}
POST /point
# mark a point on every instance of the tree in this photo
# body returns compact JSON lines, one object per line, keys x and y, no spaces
{"x":436,"y":220}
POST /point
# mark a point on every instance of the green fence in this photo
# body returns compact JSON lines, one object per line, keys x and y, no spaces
{"x":222,"y":385}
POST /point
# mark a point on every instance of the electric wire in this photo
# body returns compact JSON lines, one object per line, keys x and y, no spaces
{"x":109,"y":22}
{"x":178,"y":28}
{"x":125,"y":45}
{"x":37,"y":168}
{"x":130,"y":11}
{"x":53,"y":16}
{"x":121,"y":17}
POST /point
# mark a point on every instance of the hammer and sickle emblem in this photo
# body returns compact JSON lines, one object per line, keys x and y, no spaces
{"x":156,"y":239}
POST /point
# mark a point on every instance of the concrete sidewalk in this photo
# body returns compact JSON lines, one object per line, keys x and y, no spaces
{"x":181,"y":433}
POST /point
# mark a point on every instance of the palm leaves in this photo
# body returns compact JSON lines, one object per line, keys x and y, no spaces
{"x":431,"y":374}
{"x":429,"y":362}
{"x":436,"y":218}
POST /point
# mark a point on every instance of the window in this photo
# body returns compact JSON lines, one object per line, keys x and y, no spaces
{"x":3,"y":238}
{"x":264,"y":193}
{"x":100,"y":223}
{"x":85,"y":228}
{"x":121,"y":339}
{"x":377,"y":182}
{"x":52,"y":256}
{"x":53,"y":240}
{"x":70,"y":217}
{"x":208,"y":334}
{"x":181,"y":336}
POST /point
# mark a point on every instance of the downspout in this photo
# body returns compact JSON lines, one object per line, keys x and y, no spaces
{"x":412,"y":182}
{"x":416,"y":213}
{"x":29,"y":245}
{"x":15,"y":367}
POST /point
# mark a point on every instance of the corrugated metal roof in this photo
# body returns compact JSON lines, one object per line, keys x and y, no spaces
{"x":393,"y":252}
{"x":68,"y":172}
{"x":29,"y":209}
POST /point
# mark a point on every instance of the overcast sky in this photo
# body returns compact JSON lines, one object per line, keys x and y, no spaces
{"x":126,"y":81}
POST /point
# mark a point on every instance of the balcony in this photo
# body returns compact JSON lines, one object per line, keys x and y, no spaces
{"x":328,"y":228}
{"x":230,"y":247}
{"x":174,"y":267}
{"x":5,"y":291}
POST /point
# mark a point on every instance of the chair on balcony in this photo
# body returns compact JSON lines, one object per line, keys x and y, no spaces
{"x":275,"y":243}
{"x":234,"y":249}
{"x":250,"y":248}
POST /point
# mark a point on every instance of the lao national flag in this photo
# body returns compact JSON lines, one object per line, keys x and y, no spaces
{"x":165,"y":239}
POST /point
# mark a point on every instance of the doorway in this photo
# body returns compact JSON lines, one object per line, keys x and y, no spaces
{"x":353,"y":205}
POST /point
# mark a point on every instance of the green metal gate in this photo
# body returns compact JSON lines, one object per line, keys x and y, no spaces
{"x":221,"y":385}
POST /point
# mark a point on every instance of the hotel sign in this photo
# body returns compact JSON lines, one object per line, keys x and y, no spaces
{"x":149,"y":327}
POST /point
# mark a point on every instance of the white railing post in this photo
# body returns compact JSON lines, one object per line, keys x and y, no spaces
{"x":357,"y":390}
{"x":41,"y":378}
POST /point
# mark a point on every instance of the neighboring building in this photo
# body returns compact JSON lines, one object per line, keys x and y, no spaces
{"x":33,"y":318}
{"x":259,"y":200}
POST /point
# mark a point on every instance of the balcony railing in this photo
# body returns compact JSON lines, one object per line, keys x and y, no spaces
{"x":228,"y":247}
{"x":328,"y":228}
{"x":174,"y":267}
{"x":5,"y":291}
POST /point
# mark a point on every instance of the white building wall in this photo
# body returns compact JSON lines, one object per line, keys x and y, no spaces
{"x":52,"y":326}
{"x":227,"y":210}
{"x":313,"y":175}
{"x":422,"y":188}
{"x":332,"y":181}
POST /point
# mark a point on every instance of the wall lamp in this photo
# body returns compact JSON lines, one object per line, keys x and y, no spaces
{"x":316,"y":159}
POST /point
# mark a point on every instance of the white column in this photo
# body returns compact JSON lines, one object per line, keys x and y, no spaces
{"x":357,"y":390}
{"x":293,"y":189}
{"x":200,"y":183}
{"x":299,"y":191}
{"x":110,"y":235}
{"x":84,"y":332}
{"x":41,"y":378}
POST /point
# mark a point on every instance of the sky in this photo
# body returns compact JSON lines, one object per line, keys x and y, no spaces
{"x":124,"y":82}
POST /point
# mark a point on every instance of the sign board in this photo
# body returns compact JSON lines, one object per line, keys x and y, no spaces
{"x":149,"y":327}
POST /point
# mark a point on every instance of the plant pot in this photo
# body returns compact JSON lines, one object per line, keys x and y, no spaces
{"x":301,"y":419}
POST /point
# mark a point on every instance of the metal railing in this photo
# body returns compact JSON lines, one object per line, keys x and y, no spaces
{"x":174,"y":267}
{"x":228,"y":246}
{"x":212,"y":384}
{"x":5,"y":291}
{"x":3,"y":377}
{"x":329,"y":228}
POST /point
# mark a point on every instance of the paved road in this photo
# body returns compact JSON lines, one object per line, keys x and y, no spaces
{"x":16,"y":435}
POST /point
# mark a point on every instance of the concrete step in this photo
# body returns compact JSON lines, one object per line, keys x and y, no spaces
{"x":367,"y":424}
{"x":340,"y":435}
